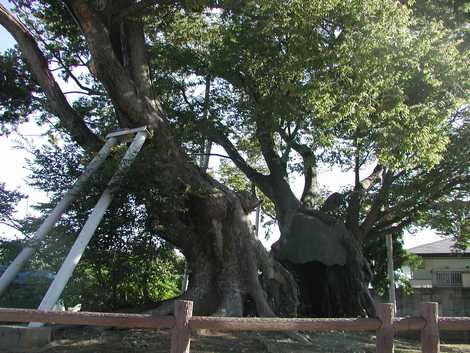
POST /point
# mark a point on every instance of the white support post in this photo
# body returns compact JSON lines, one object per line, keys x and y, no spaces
{"x":10,"y":273}
{"x":60,"y":281}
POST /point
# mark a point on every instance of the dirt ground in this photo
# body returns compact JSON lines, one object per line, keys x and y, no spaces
{"x":99,"y":340}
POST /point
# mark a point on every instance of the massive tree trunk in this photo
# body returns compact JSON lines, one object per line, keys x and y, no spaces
{"x":230,"y":272}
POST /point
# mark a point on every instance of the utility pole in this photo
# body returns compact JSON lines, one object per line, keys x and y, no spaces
{"x":390,"y":271}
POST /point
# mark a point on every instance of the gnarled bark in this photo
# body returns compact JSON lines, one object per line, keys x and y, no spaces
{"x":230,"y":272}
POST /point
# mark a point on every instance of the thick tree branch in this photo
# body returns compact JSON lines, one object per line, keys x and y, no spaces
{"x":281,"y":193}
{"x":58,"y":104}
{"x":265,"y":137}
{"x":332,"y":203}
{"x":354,"y":202}
{"x":136,"y":9}
{"x":118,"y":83}
{"x":310,"y":191}
{"x":261,"y":180}
{"x":404,"y":213}
{"x":378,"y":202}
{"x":137,"y":53}
{"x":421,"y":200}
{"x":372,"y":179}
{"x":392,"y":229}
{"x":285,"y":200}
{"x":360,"y":189}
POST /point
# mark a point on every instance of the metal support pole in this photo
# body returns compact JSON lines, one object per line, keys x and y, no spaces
{"x":390,"y":270}
{"x":9,"y":275}
{"x":60,"y":281}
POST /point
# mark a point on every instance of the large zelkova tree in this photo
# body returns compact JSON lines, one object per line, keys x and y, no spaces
{"x":284,"y":87}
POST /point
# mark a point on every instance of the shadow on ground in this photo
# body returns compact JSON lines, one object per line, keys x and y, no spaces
{"x":99,"y":340}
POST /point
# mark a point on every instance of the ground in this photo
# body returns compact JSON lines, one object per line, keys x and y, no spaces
{"x":98,"y":340}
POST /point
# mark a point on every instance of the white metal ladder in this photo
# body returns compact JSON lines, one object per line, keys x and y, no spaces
{"x":65,"y":272}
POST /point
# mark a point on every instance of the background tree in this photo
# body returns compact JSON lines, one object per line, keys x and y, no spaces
{"x":124,"y":267}
{"x":287,"y":88}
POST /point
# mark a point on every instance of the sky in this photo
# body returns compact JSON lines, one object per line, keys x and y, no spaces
{"x":13,"y":159}
{"x":6,"y":40}
{"x":14,"y":172}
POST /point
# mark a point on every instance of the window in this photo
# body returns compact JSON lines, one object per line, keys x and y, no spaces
{"x":447,"y":279}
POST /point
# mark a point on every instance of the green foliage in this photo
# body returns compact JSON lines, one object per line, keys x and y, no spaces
{"x":17,"y":91}
{"x":449,"y":210}
{"x":345,"y":74}
{"x":376,"y":252}
{"x":26,"y":295}
{"x":8,"y":201}
{"x":27,"y":290}
{"x":374,"y":80}
{"x":454,"y":15}
{"x":394,"y":89}
{"x":9,"y":249}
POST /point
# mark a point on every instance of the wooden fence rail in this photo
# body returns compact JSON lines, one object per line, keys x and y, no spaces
{"x":181,"y":324}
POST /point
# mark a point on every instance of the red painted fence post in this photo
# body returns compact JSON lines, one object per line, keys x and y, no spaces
{"x":384,"y":340}
{"x":181,"y":335}
{"x":430,"y":332}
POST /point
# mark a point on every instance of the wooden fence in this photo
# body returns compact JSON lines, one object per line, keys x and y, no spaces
{"x":385,"y":325}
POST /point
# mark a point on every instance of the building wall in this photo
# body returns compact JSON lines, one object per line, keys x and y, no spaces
{"x":441,"y":263}
{"x":466,"y":279}
{"x":452,"y":302}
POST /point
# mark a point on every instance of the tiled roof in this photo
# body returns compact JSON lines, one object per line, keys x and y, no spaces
{"x":438,"y":247}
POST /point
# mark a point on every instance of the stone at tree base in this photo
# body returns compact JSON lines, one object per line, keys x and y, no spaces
{"x":327,"y":262}
{"x":314,"y":240}
{"x":19,"y":338}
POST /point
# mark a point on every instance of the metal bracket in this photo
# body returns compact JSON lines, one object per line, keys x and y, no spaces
{"x":125,"y":134}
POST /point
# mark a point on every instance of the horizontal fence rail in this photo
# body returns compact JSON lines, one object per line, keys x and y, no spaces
{"x":454,"y":323}
{"x":87,"y":318}
{"x":274,"y":324}
{"x":386,"y":325}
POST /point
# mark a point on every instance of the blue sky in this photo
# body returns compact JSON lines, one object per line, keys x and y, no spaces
{"x":6,"y":40}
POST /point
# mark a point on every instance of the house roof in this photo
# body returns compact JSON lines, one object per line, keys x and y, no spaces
{"x":444,"y":247}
